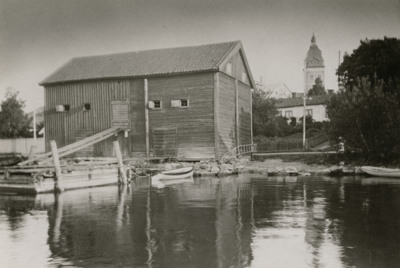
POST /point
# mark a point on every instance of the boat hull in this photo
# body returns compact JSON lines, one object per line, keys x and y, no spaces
{"x":381,"y":172}
{"x":27,"y":184}
{"x":176,"y":174}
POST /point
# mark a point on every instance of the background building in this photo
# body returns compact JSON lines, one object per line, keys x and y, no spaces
{"x":313,"y":66}
{"x":315,"y":107}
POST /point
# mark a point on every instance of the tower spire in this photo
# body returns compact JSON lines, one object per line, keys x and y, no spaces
{"x":313,"y":40}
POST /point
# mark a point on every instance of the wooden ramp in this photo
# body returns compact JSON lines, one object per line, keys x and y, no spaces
{"x":74,"y":147}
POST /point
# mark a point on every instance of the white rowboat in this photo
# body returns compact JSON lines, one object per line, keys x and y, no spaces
{"x":180,"y":173}
{"x":381,"y":172}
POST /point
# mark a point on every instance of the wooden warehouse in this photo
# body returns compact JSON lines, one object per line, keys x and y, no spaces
{"x":187,"y":102}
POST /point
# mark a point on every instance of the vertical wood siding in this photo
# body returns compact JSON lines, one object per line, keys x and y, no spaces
{"x":63,"y":127}
{"x":245,"y":114}
{"x":238,"y":68}
{"x":194,"y":124}
{"x":226,"y":106}
{"x":138,"y":132}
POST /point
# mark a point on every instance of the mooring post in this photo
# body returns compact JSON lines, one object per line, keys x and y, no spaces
{"x":59,"y":186}
{"x":122,"y":177}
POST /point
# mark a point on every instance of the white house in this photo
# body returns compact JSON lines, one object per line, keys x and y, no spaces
{"x":315,"y":107}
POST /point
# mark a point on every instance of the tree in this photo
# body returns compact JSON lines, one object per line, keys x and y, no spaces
{"x":264,"y":111}
{"x":317,"y":89}
{"x":13,"y":121}
{"x":374,"y":59}
{"x":366,"y":111}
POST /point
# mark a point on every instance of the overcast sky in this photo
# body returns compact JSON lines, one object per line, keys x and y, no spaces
{"x":38,"y":36}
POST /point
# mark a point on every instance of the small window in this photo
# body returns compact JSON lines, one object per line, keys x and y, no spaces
{"x":229,"y":68}
{"x":62,"y":108}
{"x":180,"y":103}
{"x":184,"y":103}
{"x":288,"y":114}
{"x":155,"y":104}
{"x":309,"y":112}
{"x":86,"y":107}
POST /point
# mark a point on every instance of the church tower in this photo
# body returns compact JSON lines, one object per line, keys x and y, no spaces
{"x":313,"y":66}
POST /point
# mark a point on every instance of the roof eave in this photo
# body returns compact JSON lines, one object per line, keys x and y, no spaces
{"x":125,"y":77}
{"x":237,"y":48}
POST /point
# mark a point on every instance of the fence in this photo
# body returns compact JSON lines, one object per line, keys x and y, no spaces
{"x":292,"y":145}
{"x":317,"y":140}
{"x":21,"y":145}
{"x":281,"y":146}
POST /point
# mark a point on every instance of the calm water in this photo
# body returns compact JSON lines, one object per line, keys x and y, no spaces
{"x":245,"y":221}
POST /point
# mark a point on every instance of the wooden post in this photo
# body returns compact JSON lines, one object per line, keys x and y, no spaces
{"x":251,"y":116}
{"x":34,"y":127}
{"x":122,"y":177}
{"x":59,"y":179}
{"x":216,"y":116}
{"x":237,"y":128}
{"x":146,"y":116}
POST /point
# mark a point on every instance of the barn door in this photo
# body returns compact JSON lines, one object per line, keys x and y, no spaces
{"x":120,"y":114}
{"x":120,"y":118}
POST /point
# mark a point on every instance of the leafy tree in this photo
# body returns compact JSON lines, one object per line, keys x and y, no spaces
{"x":375,"y":59}
{"x":264,"y":111}
{"x":366,"y":111}
{"x":13,"y":121}
{"x":317,"y":89}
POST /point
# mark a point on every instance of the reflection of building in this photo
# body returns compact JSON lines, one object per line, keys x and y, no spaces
{"x":313,"y":66}
{"x":315,"y":107}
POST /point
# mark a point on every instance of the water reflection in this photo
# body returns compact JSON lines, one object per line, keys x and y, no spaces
{"x":246,"y":221}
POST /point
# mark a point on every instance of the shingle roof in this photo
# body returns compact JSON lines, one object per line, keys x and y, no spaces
{"x":313,"y":100}
{"x":144,"y":63}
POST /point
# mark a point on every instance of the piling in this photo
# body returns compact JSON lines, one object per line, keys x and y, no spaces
{"x":59,"y":179}
{"x":122,"y":177}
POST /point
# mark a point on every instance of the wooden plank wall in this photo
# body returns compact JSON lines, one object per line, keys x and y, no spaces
{"x":64,"y":126}
{"x":227,"y":122}
{"x":237,"y":68}
{"x":245,"y":114}
{"x":194,"y":124}
{"x":138,"y":134}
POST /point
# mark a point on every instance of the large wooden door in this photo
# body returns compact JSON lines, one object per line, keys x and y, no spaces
{"x":120,"y":114}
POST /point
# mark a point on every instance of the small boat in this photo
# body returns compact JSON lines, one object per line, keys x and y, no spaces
{"x":10,"y":160}
{"x":180,"y":173}
{"x":381,"y":172}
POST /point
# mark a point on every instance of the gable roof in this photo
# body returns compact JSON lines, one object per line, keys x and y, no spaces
{"x":295,"y":102}
{"x":146,"y":63}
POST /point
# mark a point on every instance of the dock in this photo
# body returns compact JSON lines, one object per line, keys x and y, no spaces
{"x":47,"y":173}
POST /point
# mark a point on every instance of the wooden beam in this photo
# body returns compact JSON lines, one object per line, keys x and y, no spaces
{"x":216,"y":116}
{"x":73,"y":147}
{"x":122,"y":175}
{"x":59,"y":180}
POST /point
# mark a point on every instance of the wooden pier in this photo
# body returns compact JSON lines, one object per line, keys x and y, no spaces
{"x":37,"y":175}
